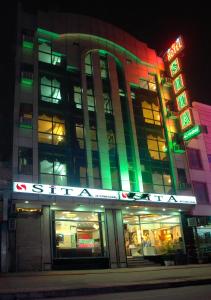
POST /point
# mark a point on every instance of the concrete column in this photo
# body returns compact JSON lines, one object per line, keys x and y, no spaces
{"x":86,"y":123}
{"x":122,"y":261}
{"x":111,"y":238}
{"x":116,"y":245}
{"x":120,"y":138}
{"x":101,"y":125}
{"x":46,"y":238}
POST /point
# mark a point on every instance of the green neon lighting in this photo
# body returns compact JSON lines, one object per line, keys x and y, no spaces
{"x":186,"y":119}
{"x":191,"y":133}
{"x":26,"y":81}
{"x":71,"y":68}
{"x":52,"y":35}
{"x":27,"y":45}
{"x":41,"y":40}
{"x":182,"y":101}
{"x":177,"y":149}
{"x":106,"y":43}
{"x":134,"y":85}
{"x":175,"y":67}
{"x":178,"y":84}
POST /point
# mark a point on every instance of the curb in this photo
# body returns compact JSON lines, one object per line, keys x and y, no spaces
{"x":101,"y":290}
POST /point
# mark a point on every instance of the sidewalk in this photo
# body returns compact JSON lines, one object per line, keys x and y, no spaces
{"x":35,"y":285}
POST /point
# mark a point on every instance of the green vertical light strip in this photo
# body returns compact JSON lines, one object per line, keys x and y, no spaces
{"x":169,"y":143}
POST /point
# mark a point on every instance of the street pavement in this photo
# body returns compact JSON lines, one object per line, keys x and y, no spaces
{"x":49,"y":284}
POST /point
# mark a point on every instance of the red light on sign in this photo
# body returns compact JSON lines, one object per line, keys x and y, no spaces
{"x":175,"y":48}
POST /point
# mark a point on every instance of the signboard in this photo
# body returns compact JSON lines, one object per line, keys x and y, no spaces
{"x":186,"y":120}
{"x":191,"y":133}
{"x":175,"y":67}
{"x":182,"y":101}
{"x":44,"y":189}
{"x":175,"y":48}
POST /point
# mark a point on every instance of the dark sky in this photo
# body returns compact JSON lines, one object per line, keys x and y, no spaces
{"x":156,"y":24}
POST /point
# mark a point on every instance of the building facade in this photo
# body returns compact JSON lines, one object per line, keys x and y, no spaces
{"x":199,"y":158}
{"x":98,"y":174}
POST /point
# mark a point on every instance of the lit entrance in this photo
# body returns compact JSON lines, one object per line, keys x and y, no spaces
{"x":152,"y":234}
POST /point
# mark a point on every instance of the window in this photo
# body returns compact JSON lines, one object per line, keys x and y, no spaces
{"x":151,"y":113}
{"x":93,"y":136}
{"x":157,"y":147}
{"x":182,"y":179}
{"x":90,"y":100}
{"x":200,"y":191}
{"x":194,"y":158}
{"x":25,"y":115}
{"x":53,"y":170}
{"x":77,"y":96}
{"x":46,"y":54}
{"x":161,"y":181}
{"x":50,"y":90}
{"x":79,"y":234}
{"x":88,"y":64}
{"x":103,"y":68}
{"x":51,"y":130}
{"x":204,"y":129}
{"x":25,"y":164}
{"x":107,"y":103}
{"x":80,"y":135}
{"x":148,"y":84}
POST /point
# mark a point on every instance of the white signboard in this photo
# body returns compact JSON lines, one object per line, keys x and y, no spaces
{"x":55,"y":190}
{"x":159,"y":198}
{"x":45,"y":189}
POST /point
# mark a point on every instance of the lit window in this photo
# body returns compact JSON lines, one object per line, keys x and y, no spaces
{"x":51,"y":130}
{"x":50,"y":90}
{"x":151,"y":113}
{"x":103,"y":68}
{"x":77,"y":96}
{"x":79,"y":234}
{"x":46,"y":54}
{"x":53,"y":171}
{"x":157,"y":147}
{"x":88,"y":65}
{"x":91,"y":100}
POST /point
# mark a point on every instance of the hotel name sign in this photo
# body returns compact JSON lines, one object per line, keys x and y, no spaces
{"x":66,"y":191}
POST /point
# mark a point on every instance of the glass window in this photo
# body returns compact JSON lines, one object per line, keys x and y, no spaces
{"x":151,"y":113}
{"x":90,"y":100}
{"x":79,"y":234}
{"x":47,"y":56}
{"x":103,"y":68}
{"x":194,"y":158}
{"x":25,"y":161}
{"x":200,"y":191}
{"x":26,"y":115}
{"x":53,"y":171}
{"x":78,"y":96}
{"x":51,"y":130}
{"x":88,"y":64}
{"x":152,"y":234}
{"x":50,"y":90}
{"x":157,"y":147}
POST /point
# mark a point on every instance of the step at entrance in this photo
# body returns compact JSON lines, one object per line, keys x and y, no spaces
{"x":140,"y":261}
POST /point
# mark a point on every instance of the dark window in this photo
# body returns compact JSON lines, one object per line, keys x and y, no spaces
{"x":25,"y":161}
{"x":181,"y":176}
{"x":25,"y":115}
{"x":194,"y":158}
{"x":200,"y":191}
{"x":204,"y":129}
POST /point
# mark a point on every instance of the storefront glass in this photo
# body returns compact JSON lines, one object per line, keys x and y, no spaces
{"x":152,"y":234}
{"x":79,"y":234}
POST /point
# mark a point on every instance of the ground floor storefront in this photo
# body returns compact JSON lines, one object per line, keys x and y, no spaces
{"x":72,"y":236}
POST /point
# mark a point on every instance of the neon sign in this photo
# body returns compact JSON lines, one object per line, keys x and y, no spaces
{"x":178,"y":84}
{"x":182,"y":101}
{"x":175,"y":67}
{"x":191,"y":133}
{"x":186,"y":119}
{"x":175,"y":48}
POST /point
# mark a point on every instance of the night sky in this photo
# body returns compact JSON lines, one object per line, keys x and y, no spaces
{"x":158,"y":25}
